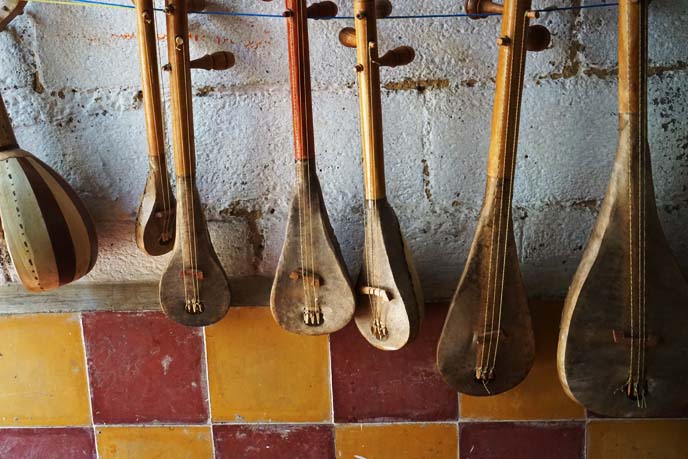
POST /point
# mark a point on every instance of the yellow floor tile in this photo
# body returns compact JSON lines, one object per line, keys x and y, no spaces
{"x":154,"y":443}
{"x":539,"y":396}
{"x":637,"y":439}
{"x":42,"y":371}
{"x":259,"y":372}
{"x":397,"y":441}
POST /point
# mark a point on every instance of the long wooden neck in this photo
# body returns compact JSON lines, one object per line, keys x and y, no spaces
{"x":633,"y":27}
{"x":7,"y":138}
{"x":148,"y":57}
{"x":507,"y":103}
{"x":180,"y":88}
{"x":369,"y":99}
{"x":300,"y":75}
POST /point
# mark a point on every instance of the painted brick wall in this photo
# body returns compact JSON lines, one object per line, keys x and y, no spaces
{"x":70,"y":78}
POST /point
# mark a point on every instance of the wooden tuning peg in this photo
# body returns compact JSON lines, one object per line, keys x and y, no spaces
{"x":347,"y":37}
{"x":383,"y":8}
{"x":220,"y":60}
{"x":538,"y":38}
{"x":321,"y":10}
{"x":479,"y":9}
{"x":402,"y":55}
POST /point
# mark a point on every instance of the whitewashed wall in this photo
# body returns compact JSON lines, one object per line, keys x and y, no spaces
{"x":70,"y":78}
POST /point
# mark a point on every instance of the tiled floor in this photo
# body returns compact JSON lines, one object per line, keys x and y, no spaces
{"x":137,"y":386}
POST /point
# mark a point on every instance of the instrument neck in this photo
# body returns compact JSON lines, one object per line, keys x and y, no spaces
{"x":300,"y":76}
{"x":7,"y":138}
{"x":180,"y":88}
{"x":633,"y":46}
{"x":148,"y":57}
{"x":369,"y":99}
{"x":507,"y":104}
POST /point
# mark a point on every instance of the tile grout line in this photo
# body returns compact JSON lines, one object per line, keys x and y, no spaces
{"x":331,"y":384}
{"x":88,"y":384}
{"x":204,"y":361}
{"x":330,"y":378}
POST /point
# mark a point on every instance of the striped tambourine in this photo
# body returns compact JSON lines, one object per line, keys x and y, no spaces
{"x":49,"y":233}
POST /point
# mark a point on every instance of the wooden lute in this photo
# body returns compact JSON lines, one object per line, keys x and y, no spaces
{"x":194,"y":289}
{"x":49,"y":233}
{"x":390,"y":302}
{"x":311,"y":293}
{"x":487,"y":344}
{"x":623,"y":348}
{"x":155,"y":219}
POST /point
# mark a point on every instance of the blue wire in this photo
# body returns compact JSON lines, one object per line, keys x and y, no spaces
{"x":420,"y":16}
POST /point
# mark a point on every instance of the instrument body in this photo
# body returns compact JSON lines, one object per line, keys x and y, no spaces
{"x":155,"y":219}
{"x":311,"y":293}
{"x":390,"y":302}
{"x":194,"y":289}
{"x":622,"y":344}
{"x":49,"y":233}
{"x":487,"y":344}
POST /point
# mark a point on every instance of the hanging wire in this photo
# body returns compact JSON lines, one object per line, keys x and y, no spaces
{"x":103,"y":4}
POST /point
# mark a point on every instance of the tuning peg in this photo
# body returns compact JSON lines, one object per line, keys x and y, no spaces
{"x":321,"y":10}
{"x":220,"y":60}
{"x":479,"y":9}
{"x":538,"y":38}
{"x":402,"y":55}
{"x":383,"y":8}
{"x":347,"y":37}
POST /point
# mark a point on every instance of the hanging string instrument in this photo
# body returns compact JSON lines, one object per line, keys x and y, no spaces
{"x":623,"y":346}
{"x":155,"y":220}
{"x":194,"y":289}
{"x":50,"y":236}
{"x":311,"y":293}
{"x":390,"y":303}
{"x":487,"y":344}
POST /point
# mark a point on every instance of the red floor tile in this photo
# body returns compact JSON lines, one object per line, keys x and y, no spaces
{"x":500,"y":440}
{"x":274,"y":442}
{"x":372,"y":385}
{"x":144,"y":368}
{"x":72,"y":443}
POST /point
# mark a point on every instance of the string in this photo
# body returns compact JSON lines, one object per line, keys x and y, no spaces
{"x":189,"y":194}
{"x":485,"y":366}
{"x":164,"y":179}
{"x":162,"y":167}
{"x":316,"y":319}
{"x":103,"y":4}
{"x":514,"y":143}
{"x":302,"y":216}
{"x":312,"y":310}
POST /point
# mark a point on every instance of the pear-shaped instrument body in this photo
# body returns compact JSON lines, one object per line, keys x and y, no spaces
{"x":390,"y":301}
{"x":626,"y":312}
{"x":50,"y":235}
{"x":487,"y":344}
{"x":155,"y":219}
{"x":312,"y":293}
{"x":156,"y":216}
{"x":194,"y":289}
